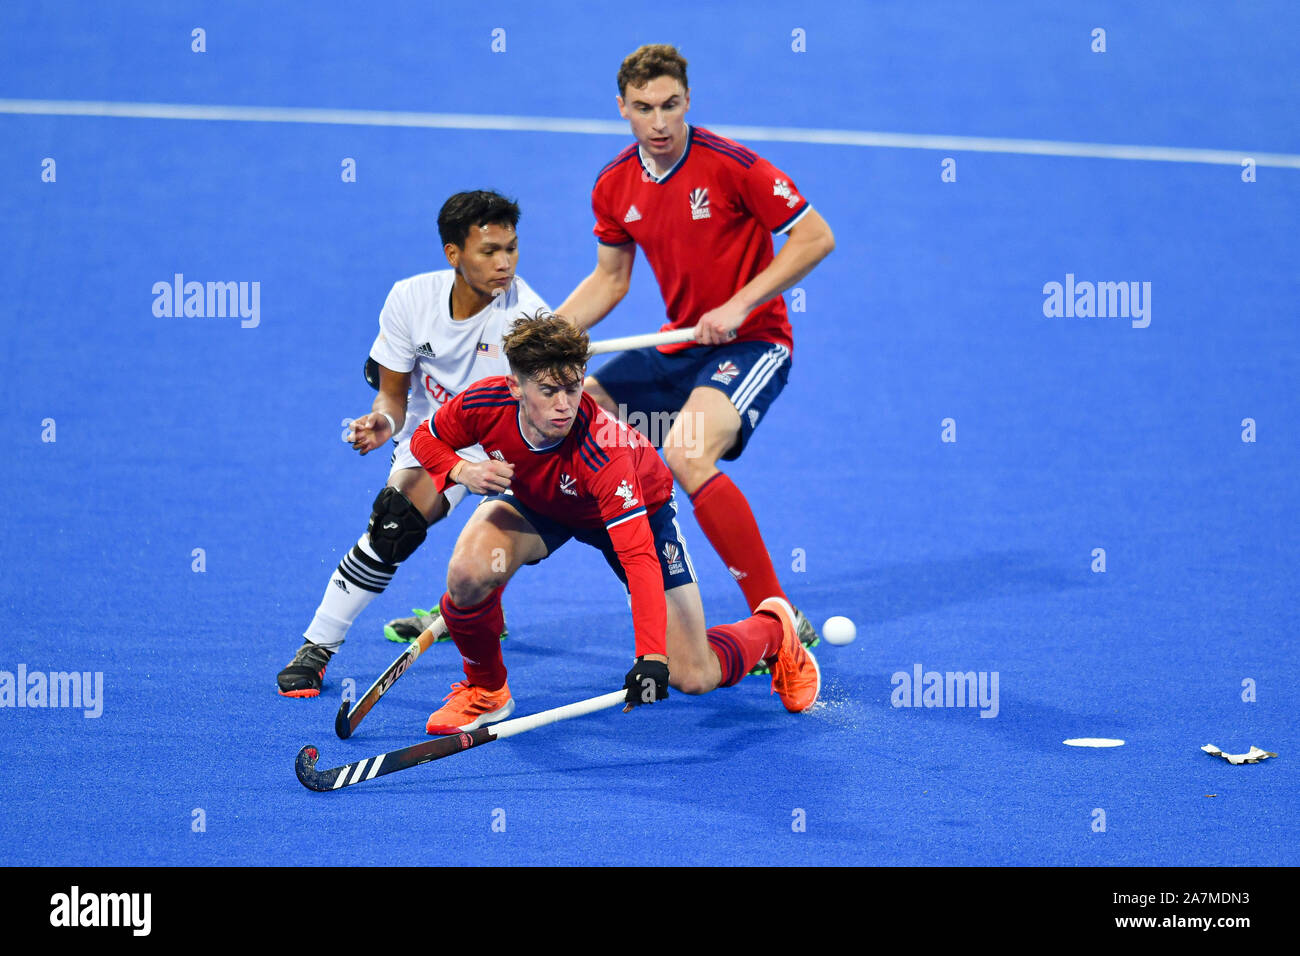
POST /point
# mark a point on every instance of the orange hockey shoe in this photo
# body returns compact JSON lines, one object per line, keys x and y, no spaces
{"x":469,"y":707}
{"x":796,"y":678}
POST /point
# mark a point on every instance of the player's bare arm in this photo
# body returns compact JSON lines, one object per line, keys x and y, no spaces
{"x":387,"y":414}
{"x":809,"y":242}
{"x":605,"y":288}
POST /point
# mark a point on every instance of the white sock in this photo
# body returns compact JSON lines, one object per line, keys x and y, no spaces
{"x":359,"y":578}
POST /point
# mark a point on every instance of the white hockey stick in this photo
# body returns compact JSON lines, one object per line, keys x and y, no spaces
{"x":647,"y":341}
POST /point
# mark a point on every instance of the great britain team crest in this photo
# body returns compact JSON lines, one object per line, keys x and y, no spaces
{"x":726,"y":372}
{"x":673,"y":558}
{"x":700,"y":203}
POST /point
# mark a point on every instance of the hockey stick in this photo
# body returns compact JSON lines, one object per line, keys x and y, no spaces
{"x":395,"y":760}
{"x":346,"y":721}
{"x":647,"y":341}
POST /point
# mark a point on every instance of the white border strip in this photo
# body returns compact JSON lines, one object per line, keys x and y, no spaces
{"x":542,"y":124}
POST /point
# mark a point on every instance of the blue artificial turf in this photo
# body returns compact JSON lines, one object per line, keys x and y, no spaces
{"x":1072,"y":434}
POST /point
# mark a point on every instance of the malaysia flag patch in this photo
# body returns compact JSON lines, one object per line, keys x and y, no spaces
{"x":491,"y":351}
{"x":726,"y":372}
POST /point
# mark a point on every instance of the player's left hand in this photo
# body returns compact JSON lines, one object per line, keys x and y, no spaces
{"x":646,"y":682}
{"x":718,"y":326}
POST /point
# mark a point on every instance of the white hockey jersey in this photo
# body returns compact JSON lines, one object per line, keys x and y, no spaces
{"x":444,"y":355}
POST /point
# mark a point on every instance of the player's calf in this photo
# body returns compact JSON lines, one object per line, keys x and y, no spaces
{"x":395,"y":529}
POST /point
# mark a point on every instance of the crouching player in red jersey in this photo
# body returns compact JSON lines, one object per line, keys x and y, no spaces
{"x":560,"y":467}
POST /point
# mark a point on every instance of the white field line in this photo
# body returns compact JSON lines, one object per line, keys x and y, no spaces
{"x":543,"y":124}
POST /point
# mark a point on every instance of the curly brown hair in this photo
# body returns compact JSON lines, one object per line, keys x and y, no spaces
{"x":645,"y":63}
{"x":547,"y":343}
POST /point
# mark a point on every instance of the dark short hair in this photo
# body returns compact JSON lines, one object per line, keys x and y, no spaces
{"x":463,"y":211}
{"x":648,"y":62}
{"x":545,"y":342}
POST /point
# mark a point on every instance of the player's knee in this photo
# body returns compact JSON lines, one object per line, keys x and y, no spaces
{"x":470,"y":581}
{"x":601,"y":397}
{"x":396,"y":526}
{"x":689,"y":467}
{"x":674,"y":458}
{"x":692,"y":680}
{"x":416,"y":485}
{"x":692,"y":677}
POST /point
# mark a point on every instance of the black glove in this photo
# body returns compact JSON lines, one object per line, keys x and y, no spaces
{"x":646,"y":683}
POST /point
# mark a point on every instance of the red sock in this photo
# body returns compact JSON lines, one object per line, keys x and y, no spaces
{"x":477,"y":633}
{"x":727,"y":521}
{"x":741,"y":645}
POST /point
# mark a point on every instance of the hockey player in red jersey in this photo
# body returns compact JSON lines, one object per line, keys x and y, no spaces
{"x":560,"y":467}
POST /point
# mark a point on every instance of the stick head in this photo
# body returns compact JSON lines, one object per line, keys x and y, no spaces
{"x":304,"y":766}
{"x":311,"y":778}
{"x":343,"y":726}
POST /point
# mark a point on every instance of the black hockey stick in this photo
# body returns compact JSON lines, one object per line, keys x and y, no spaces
{"x":370,"y":767}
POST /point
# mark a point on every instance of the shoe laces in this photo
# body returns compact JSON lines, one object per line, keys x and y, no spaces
{"x":313,"y":655}
{"x":459,"y":687}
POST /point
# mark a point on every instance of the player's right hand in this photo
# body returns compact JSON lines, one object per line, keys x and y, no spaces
{"x":489,"y":477}
{"x":646,"y":683}
{"x":369,"y":432}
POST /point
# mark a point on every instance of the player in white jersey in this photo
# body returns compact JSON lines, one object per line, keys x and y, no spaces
{"x":439,"y":332}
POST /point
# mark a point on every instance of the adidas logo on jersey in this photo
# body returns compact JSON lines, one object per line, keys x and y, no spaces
{"x":782,"y":189}
{"x":426,"y":350}
{"x":633,"y":215}
{"x":624,"y":491}
{"x":753,"y":417}
{"x":699,"y":204}
{"x":673,"y":558}
{"x":566,"y":485}
{"x":498,"y":456}
{"x":725,"y":373}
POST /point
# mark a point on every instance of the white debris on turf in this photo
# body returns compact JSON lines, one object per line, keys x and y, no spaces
{"x":836,"y":706}
{"x":1093,"y":742}
{"x":1254,"y":755}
